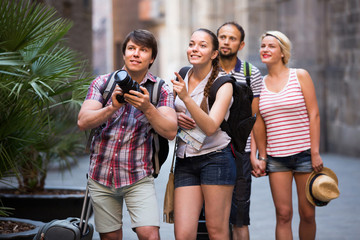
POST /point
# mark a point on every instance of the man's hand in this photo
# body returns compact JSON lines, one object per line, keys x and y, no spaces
{"x":115,"y":103}
{"x":139,"y":100}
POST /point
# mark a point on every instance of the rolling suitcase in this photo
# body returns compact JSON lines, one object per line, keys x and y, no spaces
{"x":71,"y":228}
{"x":202,"y":233}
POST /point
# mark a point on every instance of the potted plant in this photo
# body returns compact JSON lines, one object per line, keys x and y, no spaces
{"x":14,"y":228}
{"x":41,"y":87}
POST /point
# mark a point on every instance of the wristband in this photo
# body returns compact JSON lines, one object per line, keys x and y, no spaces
{"x":262,"y":159}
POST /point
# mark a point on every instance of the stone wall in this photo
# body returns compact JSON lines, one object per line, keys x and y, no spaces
{"x":325,"y":35}
{"x":341,"y":85}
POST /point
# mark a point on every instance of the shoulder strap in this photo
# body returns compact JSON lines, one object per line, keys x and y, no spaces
{"x":212,"y":95}
{"x":183,"y":72}
{"x":247,"y":72}
{"x":154,"y":89}
{"x":157,"y":90}
{"x":109,"y":87}
{"x":216,"y":85}
{"x":154,"y":93}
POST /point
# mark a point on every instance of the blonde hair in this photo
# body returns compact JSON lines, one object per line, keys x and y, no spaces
{"x":284,"y":42}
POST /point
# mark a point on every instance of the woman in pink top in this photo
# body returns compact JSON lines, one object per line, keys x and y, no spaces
{"x":288,"y":134}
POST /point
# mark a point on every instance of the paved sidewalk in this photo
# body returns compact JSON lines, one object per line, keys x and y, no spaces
{"x":340,"y":220}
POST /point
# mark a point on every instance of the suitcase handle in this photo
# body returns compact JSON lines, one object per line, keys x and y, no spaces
{"x":87,"y":203}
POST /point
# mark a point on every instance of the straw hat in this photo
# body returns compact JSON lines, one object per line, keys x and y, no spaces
{"x":322,"y":187}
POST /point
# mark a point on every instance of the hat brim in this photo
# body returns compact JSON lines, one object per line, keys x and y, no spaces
{"x":326,"y":171}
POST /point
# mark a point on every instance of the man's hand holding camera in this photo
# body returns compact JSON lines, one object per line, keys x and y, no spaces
{"x":128,"y":90}
{"x":117,"y":92}
{"x":139,"y":100}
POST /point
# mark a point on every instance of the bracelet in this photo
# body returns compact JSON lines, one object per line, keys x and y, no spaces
{"x":262,"y":159}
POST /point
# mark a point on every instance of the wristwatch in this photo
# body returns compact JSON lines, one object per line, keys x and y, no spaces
{"x":262,"y":159}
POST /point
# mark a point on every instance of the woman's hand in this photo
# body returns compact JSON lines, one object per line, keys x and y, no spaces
{"x":180,"y":87}
{"x":258,"y":168}
{"x":317,"y":162}
{"x":185,"y":121}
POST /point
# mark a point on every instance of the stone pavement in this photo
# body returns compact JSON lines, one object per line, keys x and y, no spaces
{"x":340,"y":220}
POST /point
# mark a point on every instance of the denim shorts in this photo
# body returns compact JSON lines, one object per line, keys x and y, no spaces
{"x":215,"y":168}
{"x":300,"y":162}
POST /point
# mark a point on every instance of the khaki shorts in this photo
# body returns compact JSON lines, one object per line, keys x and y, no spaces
{"x":140,"y":199}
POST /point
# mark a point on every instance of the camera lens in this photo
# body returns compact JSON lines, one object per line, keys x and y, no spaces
{"x":123,"y":79}
{"x":122,"y":75}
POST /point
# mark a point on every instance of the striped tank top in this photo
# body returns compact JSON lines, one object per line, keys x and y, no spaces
{"x":286,"y":119}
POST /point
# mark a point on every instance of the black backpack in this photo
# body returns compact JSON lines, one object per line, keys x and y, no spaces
{"x":240,"y":121}
{"x":160,"y":144}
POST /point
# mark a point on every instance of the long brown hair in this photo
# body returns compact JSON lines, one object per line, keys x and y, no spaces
{"x":215,"y":69}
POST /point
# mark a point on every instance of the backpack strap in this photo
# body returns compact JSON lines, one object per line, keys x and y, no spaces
{"x":247,"y":72}
{"x":217,"y":84}
{"x":154,"y":89}
{"x":157,"y":90}
{"x":212,"y":96}
{"x":183,"y":71}
{"x":109,"y":88}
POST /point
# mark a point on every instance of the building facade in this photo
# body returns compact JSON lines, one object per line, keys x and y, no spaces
{"x":325,"y":35}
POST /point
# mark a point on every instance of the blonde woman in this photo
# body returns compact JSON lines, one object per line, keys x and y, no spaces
{"x":291,"y":131}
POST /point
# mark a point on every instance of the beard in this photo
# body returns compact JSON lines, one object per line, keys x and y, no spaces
{"x":227,"y":56}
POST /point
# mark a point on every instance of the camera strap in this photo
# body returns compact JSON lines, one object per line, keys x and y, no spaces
{"x":109,"y":88}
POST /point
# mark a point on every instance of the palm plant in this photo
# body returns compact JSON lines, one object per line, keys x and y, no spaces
{"x":41,"y":87}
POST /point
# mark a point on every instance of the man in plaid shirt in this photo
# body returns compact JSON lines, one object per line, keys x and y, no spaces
{"x":120,"y":160}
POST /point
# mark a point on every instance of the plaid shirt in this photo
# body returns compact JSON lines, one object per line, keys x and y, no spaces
{"x":121,"y":152}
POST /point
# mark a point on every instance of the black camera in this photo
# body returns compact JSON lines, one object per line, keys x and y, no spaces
{"x":126,"y":83}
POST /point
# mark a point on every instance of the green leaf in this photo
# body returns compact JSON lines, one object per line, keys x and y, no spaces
{"x":41,"y":84}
